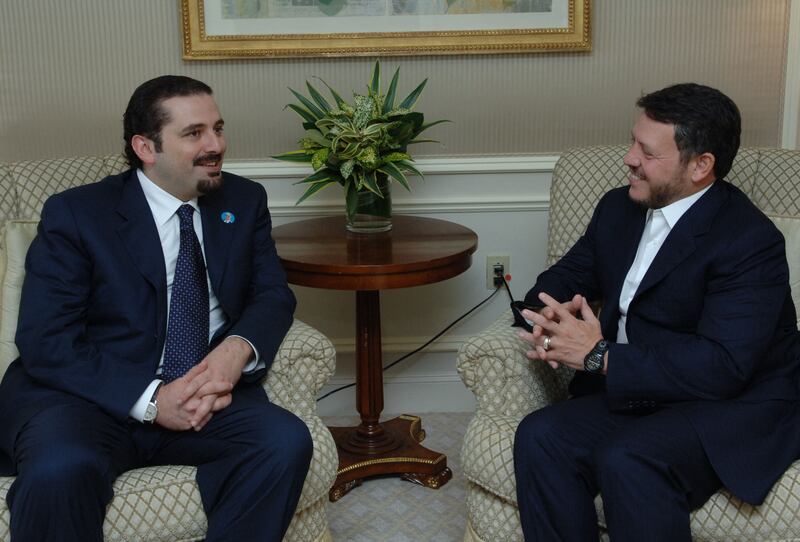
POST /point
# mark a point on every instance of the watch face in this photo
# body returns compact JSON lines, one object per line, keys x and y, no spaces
{"x":150,"y":413}
{"x":593,"y":362}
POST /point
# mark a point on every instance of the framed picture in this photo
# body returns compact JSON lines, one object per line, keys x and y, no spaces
{"x":220,"y":29}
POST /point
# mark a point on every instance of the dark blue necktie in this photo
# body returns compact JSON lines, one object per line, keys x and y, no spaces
{"x":187,"y":327}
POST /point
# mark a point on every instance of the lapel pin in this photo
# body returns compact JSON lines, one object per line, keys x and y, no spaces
{"x":227,"y":217}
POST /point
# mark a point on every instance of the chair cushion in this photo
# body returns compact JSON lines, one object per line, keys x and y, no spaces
{"x":726,"y":518}
{"x":154,"y":504}
{"x":17,"y":236}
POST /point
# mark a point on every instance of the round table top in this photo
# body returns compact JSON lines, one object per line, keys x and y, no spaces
{"x":321,"y":253}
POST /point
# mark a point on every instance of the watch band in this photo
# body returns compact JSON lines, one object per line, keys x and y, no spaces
{"x":151,"y":413}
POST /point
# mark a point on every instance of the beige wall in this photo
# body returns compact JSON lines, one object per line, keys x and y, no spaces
{"x":67,"y":69}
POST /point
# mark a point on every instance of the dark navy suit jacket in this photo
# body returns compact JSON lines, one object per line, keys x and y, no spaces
{"x":712,"y":328}
{"x":93,"y":313}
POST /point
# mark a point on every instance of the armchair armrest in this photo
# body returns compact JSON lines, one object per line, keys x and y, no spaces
{"x":304,"y":363}
{"x":505,"y":382}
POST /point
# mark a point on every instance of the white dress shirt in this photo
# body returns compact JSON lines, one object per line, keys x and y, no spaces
{"x":164,"y":207}
{"x":656,"y":229}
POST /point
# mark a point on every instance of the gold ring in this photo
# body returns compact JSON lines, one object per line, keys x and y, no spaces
{"x":546,"y":343}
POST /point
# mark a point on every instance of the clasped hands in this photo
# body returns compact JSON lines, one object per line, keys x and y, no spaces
{"x":190,"y":401}
{"x":569,"y":338}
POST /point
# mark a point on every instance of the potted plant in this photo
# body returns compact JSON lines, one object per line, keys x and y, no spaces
{"x":361,"y":146}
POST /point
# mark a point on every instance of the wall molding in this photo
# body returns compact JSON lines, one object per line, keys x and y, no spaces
{"x":538,"y":163}
{"x":452,"y":205}
{"x":487,"y":202}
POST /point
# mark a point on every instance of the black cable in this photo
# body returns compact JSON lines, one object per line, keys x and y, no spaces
{"x":429,"y":342}
{"x":442,"y":332}
{"x":511,"y":297}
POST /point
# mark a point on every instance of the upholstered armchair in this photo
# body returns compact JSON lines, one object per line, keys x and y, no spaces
{"x":508,"y":386}
{"x":163,"y":503}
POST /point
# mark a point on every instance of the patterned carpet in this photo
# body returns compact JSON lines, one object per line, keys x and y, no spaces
{"x":391,"y":510}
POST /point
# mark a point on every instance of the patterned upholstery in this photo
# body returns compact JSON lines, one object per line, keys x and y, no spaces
{"x":8,"y":196}
{"x":163,"y":503}
{"x":507,"y":386}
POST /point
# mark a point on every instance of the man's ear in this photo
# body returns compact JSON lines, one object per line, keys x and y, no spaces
{"x":703,"y":169}
{"x":144,"y":148}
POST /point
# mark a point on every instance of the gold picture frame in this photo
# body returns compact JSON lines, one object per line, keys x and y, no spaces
{"x":207,"y":35}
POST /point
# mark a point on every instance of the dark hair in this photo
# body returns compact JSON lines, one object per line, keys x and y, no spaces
{"x":705,"y":120}
{"x":144,"y":114}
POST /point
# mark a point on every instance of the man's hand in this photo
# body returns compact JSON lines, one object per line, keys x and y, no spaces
{"x":189,"y":402}
{"x":209,"y":383}
{"x":176,"y":415}
{"x":570,"y":338}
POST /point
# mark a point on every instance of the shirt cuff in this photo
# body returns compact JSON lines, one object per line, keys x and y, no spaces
{"x":140,"y":406}
{"x":254,"y":364}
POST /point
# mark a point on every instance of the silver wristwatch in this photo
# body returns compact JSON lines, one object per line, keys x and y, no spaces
{"x":151,"y":412}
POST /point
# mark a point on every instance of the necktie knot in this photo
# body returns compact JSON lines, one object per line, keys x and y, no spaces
{"x":185,"y":213}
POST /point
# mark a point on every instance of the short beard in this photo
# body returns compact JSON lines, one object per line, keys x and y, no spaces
{"x":664,"y":195}
{"x":661,"y":197}
{"x":207,"y":186}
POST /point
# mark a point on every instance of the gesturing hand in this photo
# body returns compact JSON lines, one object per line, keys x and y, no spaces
{"x":568,"y":338}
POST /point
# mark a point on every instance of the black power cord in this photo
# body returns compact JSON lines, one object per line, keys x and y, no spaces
{"x":442,"y":332}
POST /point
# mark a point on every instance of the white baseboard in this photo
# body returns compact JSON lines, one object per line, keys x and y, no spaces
{"x":533,"y":163}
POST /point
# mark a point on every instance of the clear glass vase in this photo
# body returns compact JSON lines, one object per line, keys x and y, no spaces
{"x":373,"y":214}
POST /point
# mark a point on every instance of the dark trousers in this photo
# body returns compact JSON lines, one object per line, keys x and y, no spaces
{"x":251,"y":458}
{"x":650,"y":469}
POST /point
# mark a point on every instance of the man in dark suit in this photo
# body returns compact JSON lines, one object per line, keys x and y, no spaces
{"x":688,"y":381}
{"x":153,"y":304}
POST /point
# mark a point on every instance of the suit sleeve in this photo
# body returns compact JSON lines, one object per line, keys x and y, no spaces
{"x":744,"y":315}
{"x":269,"y":309}
{"x":52,"y":327}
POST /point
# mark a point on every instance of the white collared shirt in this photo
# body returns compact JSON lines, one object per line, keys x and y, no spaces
{"x":656,"y":229}
{"x":164,"y":207}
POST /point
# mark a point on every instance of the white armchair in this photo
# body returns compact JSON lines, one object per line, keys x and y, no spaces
{"x":163,"y":503}
{"x":508,"y":386}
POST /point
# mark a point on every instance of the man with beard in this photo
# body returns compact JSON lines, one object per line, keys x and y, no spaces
{"x":153,"y":304}
{"x":687,"y":379}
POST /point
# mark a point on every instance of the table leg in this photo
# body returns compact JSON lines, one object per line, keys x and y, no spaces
{"x":374,"y":448}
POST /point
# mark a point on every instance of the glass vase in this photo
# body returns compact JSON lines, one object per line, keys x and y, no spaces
{"x":373,"y":214}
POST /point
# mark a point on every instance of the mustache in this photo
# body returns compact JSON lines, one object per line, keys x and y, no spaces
{"x":207,"y":157}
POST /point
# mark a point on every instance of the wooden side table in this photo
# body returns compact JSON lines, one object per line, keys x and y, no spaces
{"x":321,"y":253}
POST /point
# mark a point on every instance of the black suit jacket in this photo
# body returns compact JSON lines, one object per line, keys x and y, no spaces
{"x":712,"y":328}
{"x":92,"y":320}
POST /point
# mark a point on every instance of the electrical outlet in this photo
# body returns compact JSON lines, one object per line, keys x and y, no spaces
{"x":493,"y":260}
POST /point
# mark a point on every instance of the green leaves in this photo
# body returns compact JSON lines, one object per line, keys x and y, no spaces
{"x":318,"y":98}
{"x":375,"y":85}
{"x":319,"y":158}
{"x":315,"y":111}
{"x":395,"y":173}
{"x":353,"y":144}
{"x":294,"y":156}
{"x":388,"y":101}
{"x":411,"y":99}
{"x":363,"y":112}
